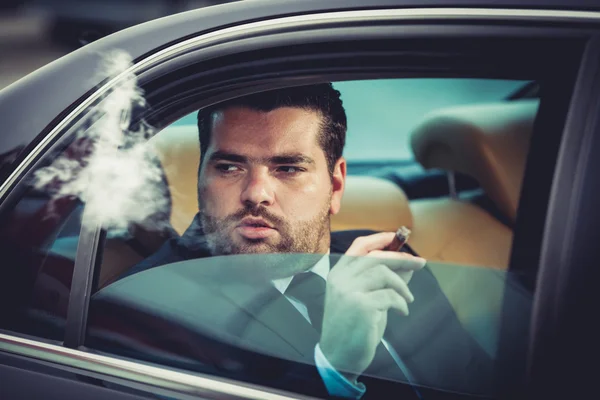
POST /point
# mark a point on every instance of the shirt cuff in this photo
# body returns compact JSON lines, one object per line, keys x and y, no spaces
{"x":336,"y":383}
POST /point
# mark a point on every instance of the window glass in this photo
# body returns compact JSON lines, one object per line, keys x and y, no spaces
{"x":101,"y":172}
{"x":207,"y":280}
{"x":39,"y":235}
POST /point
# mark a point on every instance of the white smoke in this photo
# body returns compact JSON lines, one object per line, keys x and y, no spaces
{"x":115,"y":171}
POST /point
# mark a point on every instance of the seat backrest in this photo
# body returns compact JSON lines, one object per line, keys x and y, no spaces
{"x":178,"y":149}
{"x":368,"y":202}
{"x":489,"y":142}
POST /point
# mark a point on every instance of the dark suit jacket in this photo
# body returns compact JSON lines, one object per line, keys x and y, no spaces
{"x":250,"y":323}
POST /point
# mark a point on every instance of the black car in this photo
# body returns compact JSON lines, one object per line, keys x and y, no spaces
{"x":473,"y":123}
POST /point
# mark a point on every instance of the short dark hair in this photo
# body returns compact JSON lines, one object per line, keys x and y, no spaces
{"x":322,"y":98}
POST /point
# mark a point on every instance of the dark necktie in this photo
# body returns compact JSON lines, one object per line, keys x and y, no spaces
{"x":309,"y":289}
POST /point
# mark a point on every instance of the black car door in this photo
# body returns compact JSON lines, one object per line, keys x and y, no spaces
{"x":53,"y":246}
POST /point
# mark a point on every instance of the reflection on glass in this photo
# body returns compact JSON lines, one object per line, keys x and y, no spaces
{"x":228,"y":312}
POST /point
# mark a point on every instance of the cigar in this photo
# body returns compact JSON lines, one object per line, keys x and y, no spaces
{"x":400,"y":239}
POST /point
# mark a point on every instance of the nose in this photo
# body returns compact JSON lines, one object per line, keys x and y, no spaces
{"x":258,"y":189}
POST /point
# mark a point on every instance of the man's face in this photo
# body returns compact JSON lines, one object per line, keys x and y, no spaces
{"x":264,"y":185}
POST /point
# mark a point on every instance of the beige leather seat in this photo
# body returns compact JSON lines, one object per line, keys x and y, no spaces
{"x":178,"y":149}
{"x":368,"y":203}
{"x":490,"y":143}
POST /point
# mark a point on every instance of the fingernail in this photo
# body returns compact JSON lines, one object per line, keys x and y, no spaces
{"x":421,"y":261}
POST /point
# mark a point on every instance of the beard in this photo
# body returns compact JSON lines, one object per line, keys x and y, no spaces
{"x":297,"y":237}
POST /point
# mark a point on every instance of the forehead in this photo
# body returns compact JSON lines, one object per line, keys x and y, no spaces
{"x":282,"y":129}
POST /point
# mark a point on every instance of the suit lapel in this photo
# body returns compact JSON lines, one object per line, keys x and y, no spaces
{"x":271,"y":314}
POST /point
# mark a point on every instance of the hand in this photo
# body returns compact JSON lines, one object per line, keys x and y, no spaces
{"x":361,"y":288}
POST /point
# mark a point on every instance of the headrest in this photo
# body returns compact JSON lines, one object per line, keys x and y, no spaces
{"x":368,"y":202}
{"x":372,"y":203}
{"x":487,"y":141}
{"x":178,"y":149}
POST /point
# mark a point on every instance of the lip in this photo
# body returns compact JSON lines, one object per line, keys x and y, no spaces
{"x":252,"y":232}
{"x":255,"y":222}
{"x":255,"y":228}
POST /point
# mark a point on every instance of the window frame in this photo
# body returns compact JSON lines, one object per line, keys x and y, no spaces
{"x":86,"y":256}
{"x":568,"y":270}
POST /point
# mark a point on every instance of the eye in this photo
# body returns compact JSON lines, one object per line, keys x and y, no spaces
{"x":289,"y":169}
{"x":227,"y":168}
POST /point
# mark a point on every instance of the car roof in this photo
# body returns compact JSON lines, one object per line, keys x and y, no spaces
{"x":30,"y":104}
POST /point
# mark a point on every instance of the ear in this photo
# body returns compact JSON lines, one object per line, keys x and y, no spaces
{"x":338,"y":181}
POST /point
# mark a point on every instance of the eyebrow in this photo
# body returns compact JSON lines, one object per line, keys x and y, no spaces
{"x":225,"y":156}
{"x":286,"y":158}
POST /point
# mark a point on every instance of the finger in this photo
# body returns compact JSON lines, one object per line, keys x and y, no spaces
{"x":361,"y":246}
{"x":384,"y":299}
{"x":381,"y":277}
{"x":405,"y":275}
{"x":395,"y":260}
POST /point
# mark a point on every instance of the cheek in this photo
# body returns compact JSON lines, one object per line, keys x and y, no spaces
{"x":305,"y":200}
{"x":214,"y":197}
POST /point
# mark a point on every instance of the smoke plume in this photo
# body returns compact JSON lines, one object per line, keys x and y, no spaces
{"x":110,"y":167}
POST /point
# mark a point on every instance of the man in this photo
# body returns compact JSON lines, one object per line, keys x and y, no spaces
{"x":271,"y":175}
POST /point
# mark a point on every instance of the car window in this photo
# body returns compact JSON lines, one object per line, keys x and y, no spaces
{"x":223,"y":316}
{"x":163,"y":296}
{"x":74,"y":186}
{"x":39,"y":234}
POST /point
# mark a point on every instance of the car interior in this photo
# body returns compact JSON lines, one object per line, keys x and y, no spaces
{"x":488,"y":143}
{"x":459,"y":196}
{"x":468,"y":225}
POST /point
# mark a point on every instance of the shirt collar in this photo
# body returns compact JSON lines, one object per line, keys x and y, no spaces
{"x":321,"y":268}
